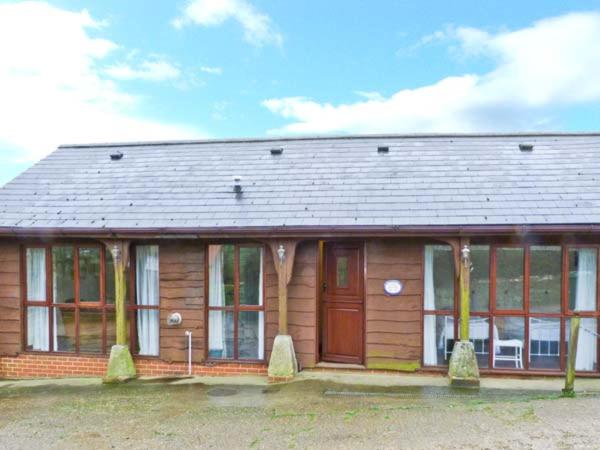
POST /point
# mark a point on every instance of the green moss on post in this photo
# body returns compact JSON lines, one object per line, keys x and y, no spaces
{"x":463,"y":370}
{"x":569,"y":390}
{"x":120,"y":364}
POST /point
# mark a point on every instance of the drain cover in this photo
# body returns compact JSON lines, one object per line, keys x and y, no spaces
{"x":221,"y":392}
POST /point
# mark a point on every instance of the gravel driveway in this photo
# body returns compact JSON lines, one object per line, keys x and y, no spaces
{"x":305,"y":414}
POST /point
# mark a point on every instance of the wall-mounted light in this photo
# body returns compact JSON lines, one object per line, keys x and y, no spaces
{"x":465,"y":256}
{"x":281,"y":254}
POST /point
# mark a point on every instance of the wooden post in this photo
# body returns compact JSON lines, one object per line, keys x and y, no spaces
{"x":569,"y":390}
{"x":120,"y":254}
{"x":284,"y":253}
{"x":120,"y":363}
{"x":464,"y":279}
{"x":282,"y":363}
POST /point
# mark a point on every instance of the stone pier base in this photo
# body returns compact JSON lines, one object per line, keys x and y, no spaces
{"x":120,"y":365}
{"x":463,"y":369}
{"x":283,"y":364}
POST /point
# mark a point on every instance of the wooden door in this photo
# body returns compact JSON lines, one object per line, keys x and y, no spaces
{"x":343,"y":303}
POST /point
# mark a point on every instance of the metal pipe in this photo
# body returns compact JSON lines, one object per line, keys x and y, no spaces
{"x":189,"y":336}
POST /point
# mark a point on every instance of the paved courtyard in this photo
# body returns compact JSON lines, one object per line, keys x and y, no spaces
{"x":316,"y":412}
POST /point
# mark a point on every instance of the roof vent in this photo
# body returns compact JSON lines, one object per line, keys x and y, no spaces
{"x":277,"y":151}
{"x":237,"y":184}
{"x":116,"y":156}
{"x":526,"y":147}
{"x":383,"y":149}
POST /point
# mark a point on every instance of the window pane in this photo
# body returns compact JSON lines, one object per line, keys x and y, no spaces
{"x":250,"y":276}
{"x":251,"y":340}
{"x":64,"y":330}
{"x":38,"y":334}
{"x":63,"y":274}
{"x":480,"y":278}
{"x":89,"y":274}
{"x":509,"y":334}
{"x":545,"y":278}
{"x":544,"y":343}
{"x":582,"y":279}
{"x":36,"y":274}
{"x":148,"y":328}
{"x":587,"y":355}
{"x":220,"y":334}
{"x":479,"y":335}
{"x":342,"y":271}
{"x":90,"y":331}
{"x":439,"y":277}
{"x":109,"y":278}
{"x":438,"y":339}
{"x":147,"y":279}
{"x":220,"y":275}
{"x":111,"y":329}
{"x":509,"y":278}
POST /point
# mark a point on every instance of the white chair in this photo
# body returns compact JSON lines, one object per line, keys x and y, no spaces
{"x":515,"y":344}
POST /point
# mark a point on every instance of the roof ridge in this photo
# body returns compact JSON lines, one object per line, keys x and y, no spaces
{"x":332,"y":137}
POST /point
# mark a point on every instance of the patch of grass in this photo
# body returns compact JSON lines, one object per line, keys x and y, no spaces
{"x":349,"y":415}
{"x":276,"y":415}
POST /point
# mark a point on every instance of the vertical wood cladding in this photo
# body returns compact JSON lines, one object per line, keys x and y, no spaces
{"x":182,"y":290}
{"x":302,"y":303}
{"x":10,"y":295}
{"x":393,"y":324}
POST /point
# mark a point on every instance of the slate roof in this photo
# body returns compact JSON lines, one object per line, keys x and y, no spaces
{"x":316,"y":182}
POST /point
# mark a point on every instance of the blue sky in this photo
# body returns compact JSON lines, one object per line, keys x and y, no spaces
{"x":88,"y":71}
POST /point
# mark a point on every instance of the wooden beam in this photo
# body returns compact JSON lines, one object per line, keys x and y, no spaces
{"x":464,"y":280}
{"x":284,"y":253}
{"x":119,"y":249}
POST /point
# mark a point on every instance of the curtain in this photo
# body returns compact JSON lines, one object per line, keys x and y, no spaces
{"x":147,"y":295}
{"x":37,"y":329}
{"x":429,"y":344}
{"x":37,"y":317}
{"x":216,"y":297}
{"x":585,"y":300}
{"x":261,"y":314}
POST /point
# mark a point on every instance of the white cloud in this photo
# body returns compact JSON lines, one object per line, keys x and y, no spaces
{"x":211,"y":70}
{"x":148,"y":70}
{"x":538,"y":70}
{"x":52,"y":89}
{"x":258,"y":27}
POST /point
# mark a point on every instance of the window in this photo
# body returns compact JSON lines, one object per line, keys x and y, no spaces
{"x":235,"y":302}
{"x":66,"y":308}
{"x":522,"y":301}
{"x":439,"y":305}
{"x":70,"y":295}
{"x":147,"y":299}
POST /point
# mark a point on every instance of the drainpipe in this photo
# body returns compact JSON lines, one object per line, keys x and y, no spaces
{"x":189,"y":336}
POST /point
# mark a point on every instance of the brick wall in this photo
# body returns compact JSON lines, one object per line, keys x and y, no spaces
{"x":52,"y":366}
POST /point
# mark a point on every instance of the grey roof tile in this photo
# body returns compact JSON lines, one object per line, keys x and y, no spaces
{"x":424,"y":180}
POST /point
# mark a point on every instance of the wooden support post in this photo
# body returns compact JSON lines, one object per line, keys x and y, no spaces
{"x":120,"y":364}
{"x":120,"y":254}
{"x":284,"y":253}
{"x":463,"y":369}
{"x":464,"y":279}
{"x":283,"y":364}
{"x":569,"y":390}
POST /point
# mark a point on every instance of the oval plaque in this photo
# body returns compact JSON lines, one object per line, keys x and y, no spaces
{"x":392,"y":287}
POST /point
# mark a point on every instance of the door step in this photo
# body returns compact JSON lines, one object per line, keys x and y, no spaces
{"x":332,"y":365}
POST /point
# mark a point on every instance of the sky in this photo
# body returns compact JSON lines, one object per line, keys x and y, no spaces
{"x":109,"y":70}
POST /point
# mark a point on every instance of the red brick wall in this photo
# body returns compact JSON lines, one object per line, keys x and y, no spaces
{"x":52,"y":366}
